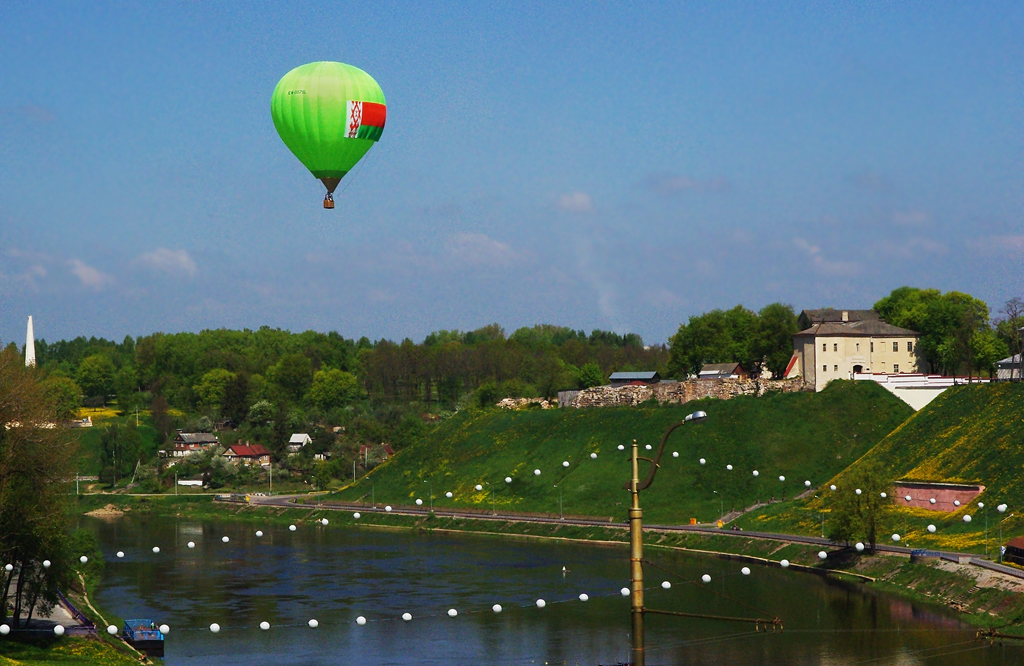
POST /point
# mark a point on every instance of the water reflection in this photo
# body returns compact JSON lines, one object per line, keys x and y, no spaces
{"x":335,"y":574}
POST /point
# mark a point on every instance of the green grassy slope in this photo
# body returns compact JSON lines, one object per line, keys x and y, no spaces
{"x":969,"y":434}
{"x":801,"y":436}
{"x":89,"y":440}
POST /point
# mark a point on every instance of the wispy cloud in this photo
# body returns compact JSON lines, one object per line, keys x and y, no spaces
{"x":668,"y":184}
{"x":911,"y":218}
{"x":89,"y":276}
{"x":870,"y":180}
{"x":479,"y":249}
{"x":172,"y":262}
{"x":575,"y":202}
{"x":822,"y":264}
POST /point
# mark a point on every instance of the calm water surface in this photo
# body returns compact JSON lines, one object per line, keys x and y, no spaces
{"x":335,"y":574}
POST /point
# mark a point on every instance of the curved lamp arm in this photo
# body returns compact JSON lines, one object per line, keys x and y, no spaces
{"x":695,"y":417}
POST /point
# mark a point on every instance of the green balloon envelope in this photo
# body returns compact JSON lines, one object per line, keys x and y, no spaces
{"x":329,"y":114}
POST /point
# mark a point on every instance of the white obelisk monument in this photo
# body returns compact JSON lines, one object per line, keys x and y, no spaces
{"x":30,"y":346}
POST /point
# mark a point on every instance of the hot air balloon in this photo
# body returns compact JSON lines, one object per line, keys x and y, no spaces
{"x":329,"y":114}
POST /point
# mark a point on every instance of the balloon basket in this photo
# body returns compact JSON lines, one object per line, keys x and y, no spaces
{"x":329,"y":203}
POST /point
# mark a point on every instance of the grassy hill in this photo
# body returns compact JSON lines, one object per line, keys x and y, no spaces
{"x":969,"y":434}
{"x":798,"y":435}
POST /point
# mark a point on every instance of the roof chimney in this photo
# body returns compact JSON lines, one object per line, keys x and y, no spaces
{"x":846,"y":316}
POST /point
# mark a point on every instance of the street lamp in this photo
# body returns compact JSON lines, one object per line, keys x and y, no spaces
{"x":430,"y":483}
{"x":560,"y":517}
{"x":721,"y":504}
{"x":634,"y":486}
{"x":1001,"y":509}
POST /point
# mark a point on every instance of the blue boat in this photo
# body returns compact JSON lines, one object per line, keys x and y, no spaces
{"x":144,"y":636}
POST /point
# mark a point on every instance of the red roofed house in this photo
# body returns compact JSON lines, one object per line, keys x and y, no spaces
{"x":250,"y":454}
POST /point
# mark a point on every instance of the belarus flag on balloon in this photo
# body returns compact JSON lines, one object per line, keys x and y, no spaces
{"x":365,"y":120}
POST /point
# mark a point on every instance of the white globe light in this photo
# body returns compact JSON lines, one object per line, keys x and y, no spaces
{"x":908,"y":498}
{"x":702,"y":461}
{"x":981,"y":505}
{"x":807,"y":483}
{"x":360,"y":620}
{"x":822,"y":555}
{"x":156,"y":549}
{"x":407,"y":617}
{"x":536,"y":472}
{"x":584,"y":597}
{"x":112,"y":630}
{"x":745,"y":571}
{"x":858,"y":491}
{"x":356,"y":515}
{"x":59,"y":630}
{"x":956,"y":502}
{"x":120,"y":554}
{"x":508,"y":479}
{"x":388,"y":508}
{"x":896,"y":537}
{"x":448,"y":495}
{"x":931,"y":501}
{"x":265,"y":626}
{"x":621,"y":447}
{"x":164,"y":629}
{"x":496,"y":608}
{"x":883,"y":495}
{"x":647,"y":446}
{"x":191,"y":544}
{"x":6,"y":629}
{"x":675,"y":454}
{"x":83,"y":559}
{"x":784,"y":563}
{"x":292,"y":528}
{"x":452,"y":612}
{"x":967,"y":518}
{"x":593,"y":456}
{"x":832,"y":487}
{"x":931,"y":528}
{"x":624,"y":591}
{"x":324,"y":522}
{"x":479,"y":487}
{"x":259,"y":533}
{"x":8,"y":568}
{"x":419,"y":502}
{"x":706,"y":578}
{"x":313,"y":624}
{"x":756,"y":473}
{"x":1001,"y":508}
{"x":225,"y":539}
{"x":565,"y":463}
{"x":859,"y":547}
{"x":46,"y":564}
{"x":541,"y":603}
{"x":666,"y":584}
{"x":729,"y":467}
{"x":782,"y":478}
{"x":214,"y":627}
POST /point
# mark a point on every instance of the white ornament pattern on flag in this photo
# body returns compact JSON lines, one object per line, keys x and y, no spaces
{"x":355,"y":118}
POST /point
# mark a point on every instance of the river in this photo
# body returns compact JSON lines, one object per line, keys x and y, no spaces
{"x":336,"y":574}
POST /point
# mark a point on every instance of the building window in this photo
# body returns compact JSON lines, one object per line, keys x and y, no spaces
{"x":895,"y":367}
{"x":895,"y":346}
{"x":872,"y":345}
{"x":835,"y":346}
{"x":824,"y":368}
{"x":858,"y":346}
{"x":824,"y":347}
{"x":835,"y":368}
{"x":910,"y":347}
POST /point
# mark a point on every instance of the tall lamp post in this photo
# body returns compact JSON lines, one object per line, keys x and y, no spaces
{"x":636,"y":547}
{"x":560,"y":517}
{"x":430,"y":483}
{"x":721,"y":504}
{"x":1001,"y":509}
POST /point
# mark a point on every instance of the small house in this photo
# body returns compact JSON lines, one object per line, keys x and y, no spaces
{"x":187,"y":443}
{"x":1009,"y":368}
{"x":297,"y":441}
{"x":645,"y":377}
{"x":251,"y":454}
{"x":723,"y":371}
{"x":1014,"y":551}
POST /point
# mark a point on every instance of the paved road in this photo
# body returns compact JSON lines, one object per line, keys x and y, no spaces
{"x":290,"y":501}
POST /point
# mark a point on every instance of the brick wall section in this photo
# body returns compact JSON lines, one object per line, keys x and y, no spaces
{"x":682,"y":392}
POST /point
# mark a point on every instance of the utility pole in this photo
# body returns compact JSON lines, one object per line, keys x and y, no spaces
{"x":636,"y":570}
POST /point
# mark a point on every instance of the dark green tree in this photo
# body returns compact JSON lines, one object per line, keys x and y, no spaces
{"x":773,"y":338}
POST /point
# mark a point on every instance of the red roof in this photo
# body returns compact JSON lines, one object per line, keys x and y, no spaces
{"x":248,"y":451}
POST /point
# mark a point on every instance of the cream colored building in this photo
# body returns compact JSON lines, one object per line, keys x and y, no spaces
{"x":830,"y":350}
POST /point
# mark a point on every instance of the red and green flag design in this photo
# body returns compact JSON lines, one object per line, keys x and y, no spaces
{"x":365,"y":120}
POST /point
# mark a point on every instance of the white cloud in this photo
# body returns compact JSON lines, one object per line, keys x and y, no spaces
{"x":668,"y":184}
{"x":480,"y":249}
{"x":575,"y":202}
{"x":173,"y":262}
{"x":822,"y":264}
{"x":89,"y":276}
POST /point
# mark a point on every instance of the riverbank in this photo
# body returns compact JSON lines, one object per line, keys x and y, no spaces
{"x":982,"y":598}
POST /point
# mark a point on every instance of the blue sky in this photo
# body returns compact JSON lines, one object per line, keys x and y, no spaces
{"x":617,"y":166}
